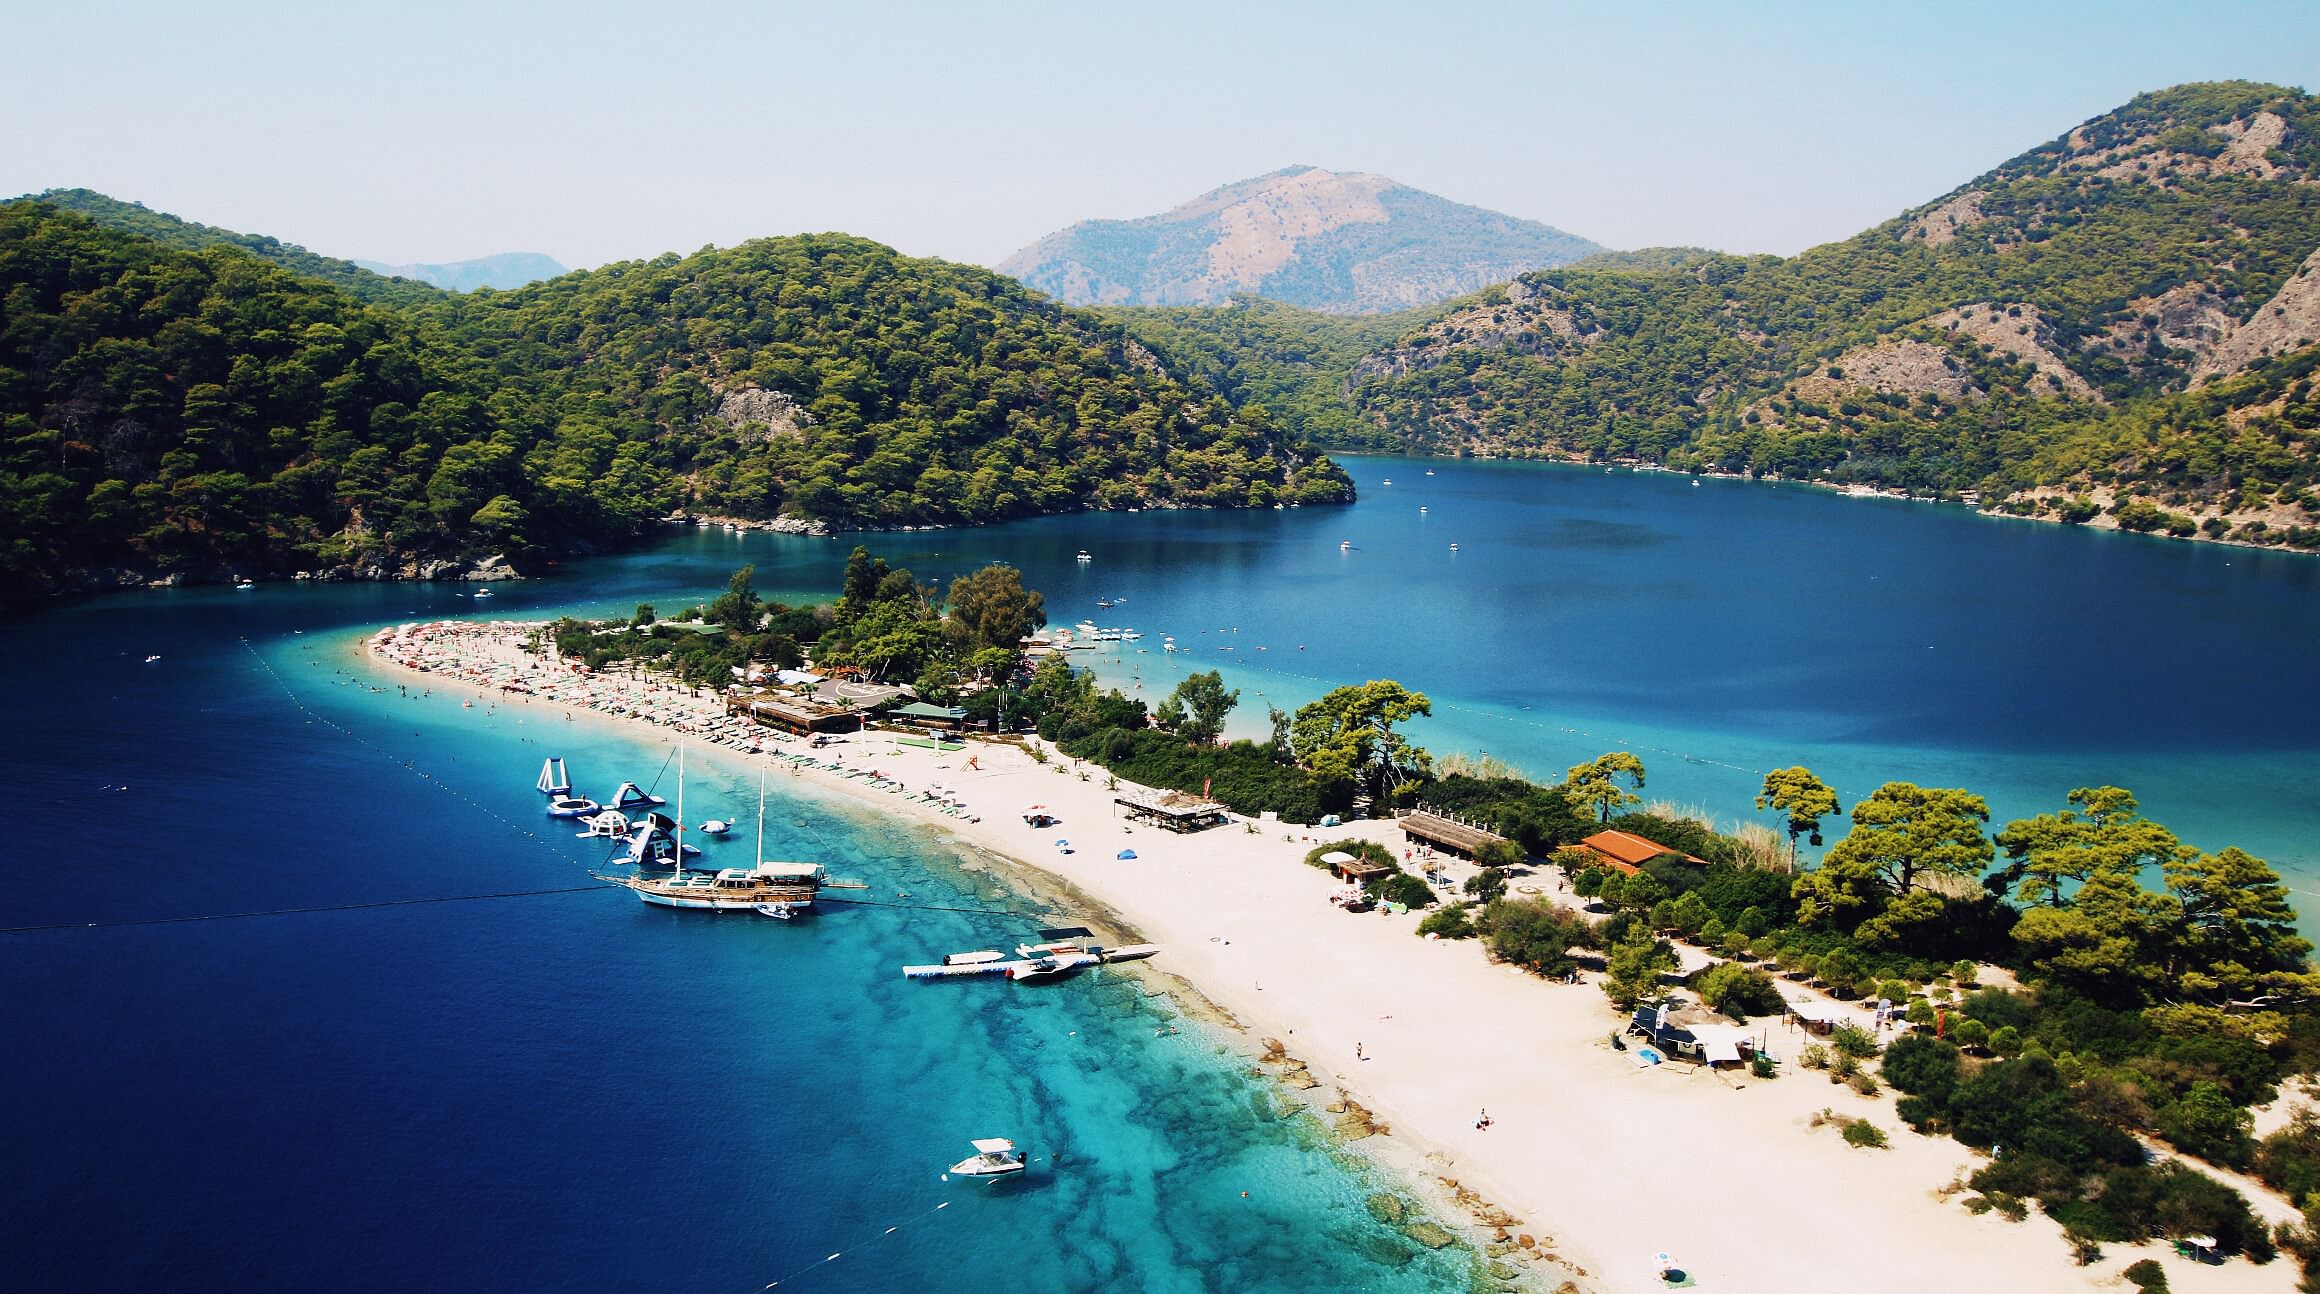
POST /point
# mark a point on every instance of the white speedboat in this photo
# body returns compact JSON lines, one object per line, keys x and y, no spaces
{"x":778,"y":911}
{"x":994,"y":1157}
{"x":1085,"y":556}
{"x":483,"y":593}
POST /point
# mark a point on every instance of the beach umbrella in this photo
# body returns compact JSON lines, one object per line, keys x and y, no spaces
{"x":1126,"y":853}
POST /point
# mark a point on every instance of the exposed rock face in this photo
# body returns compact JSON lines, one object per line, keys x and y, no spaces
{"x":2289,"y":321}
{"x":1326,"y":240}
{"x":781,"y":416}
{"x":2016,"y":330}
{"x":1895,"y":366}
{"x":2189,"y":316}
{"x":1531,"y":320}
{"x":1940,"y":224}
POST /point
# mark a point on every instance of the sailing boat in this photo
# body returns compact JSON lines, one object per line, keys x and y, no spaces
{"x":786,"y":887}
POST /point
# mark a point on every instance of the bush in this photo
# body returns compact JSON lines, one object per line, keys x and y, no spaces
{"x":1536,"y":935}
{"x":1763,"y":1067}
{"x":1402,"y":888}
{"x":1865,"y":1083}
{"x":1738,"y":991}
{"x":2288,"y":1161}
{"x":1864,"y":1135}
{"x":1922,"y":1066}
{"x":2146,"y":1276}
{"x":2205,"y":1122}
{"x":1449,"y":922}
{"x":1814,"y":1056}
{"x":1854,"y":1041}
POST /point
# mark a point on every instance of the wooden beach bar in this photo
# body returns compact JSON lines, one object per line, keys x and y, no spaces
{"x":1446,"y":834}
{"x":1175,"y":810}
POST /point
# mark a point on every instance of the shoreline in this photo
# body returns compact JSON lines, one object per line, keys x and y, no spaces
{"x":1723,"y":1173}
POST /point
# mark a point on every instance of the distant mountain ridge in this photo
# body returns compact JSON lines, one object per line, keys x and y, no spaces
{"x":2120,"y":327}
{"x":1343,"y":242}
{"x":504,"y":271}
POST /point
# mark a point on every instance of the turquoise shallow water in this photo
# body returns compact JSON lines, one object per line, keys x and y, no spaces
{"x":569,"y":1090}
{"x":572,"y":1089}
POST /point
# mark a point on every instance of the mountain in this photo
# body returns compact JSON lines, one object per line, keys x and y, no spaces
{"x":2117,"y":327}
{"x":506,"y":270}
{"x":200,"y":414}
{"x":1326,"y":240}
{"x":170,"y":231}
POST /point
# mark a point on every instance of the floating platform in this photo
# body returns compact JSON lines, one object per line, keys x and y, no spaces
{"x":968,"y":965}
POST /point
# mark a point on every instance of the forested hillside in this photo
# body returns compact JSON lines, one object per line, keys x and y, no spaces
{"x":205,"y":414}
{"x":2047,"y":335}
{"x":185,"y":235}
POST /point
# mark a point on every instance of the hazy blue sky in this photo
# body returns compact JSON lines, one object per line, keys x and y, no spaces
{"x":420,"y":132}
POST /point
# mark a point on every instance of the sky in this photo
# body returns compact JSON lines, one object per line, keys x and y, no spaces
{"x":435,"y":132}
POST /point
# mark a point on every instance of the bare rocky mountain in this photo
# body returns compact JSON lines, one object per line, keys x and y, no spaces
{"x":1346,"y":242}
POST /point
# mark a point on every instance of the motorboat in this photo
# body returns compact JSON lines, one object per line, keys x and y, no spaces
{"x":483,"y":593}
{"x":631,"y":797}
{"x":1429,"y":471}
{"x":1086,"y":556}
{"x":994,"y":1157}
{"x":1345,"y":545}
{"x":780,"y":911}
{"x":573,"y":806}
{"x":1454,"y":548}
{"x":245,"y":586}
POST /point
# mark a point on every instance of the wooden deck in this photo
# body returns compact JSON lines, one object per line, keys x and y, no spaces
{"x":1446,"y":833}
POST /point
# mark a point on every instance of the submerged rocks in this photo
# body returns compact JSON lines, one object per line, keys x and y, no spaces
{"x":1385,"y":1208}
{"x":1430,"y":1235}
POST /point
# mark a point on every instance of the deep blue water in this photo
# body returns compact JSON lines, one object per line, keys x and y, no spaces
{"x":575,"y":1090}
{"x":568,"y":1090}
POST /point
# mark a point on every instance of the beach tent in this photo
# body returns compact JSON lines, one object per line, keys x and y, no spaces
{"x":1125,"y":853}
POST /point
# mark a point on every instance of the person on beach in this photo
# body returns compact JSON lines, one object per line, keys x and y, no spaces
{"x":1357,"y":1052}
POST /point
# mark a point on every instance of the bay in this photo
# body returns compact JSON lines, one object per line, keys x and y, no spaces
{"x":570,"y":1088}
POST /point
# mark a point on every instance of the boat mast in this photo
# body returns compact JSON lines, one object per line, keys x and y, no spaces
{"x":680,"y":832}
{"x":761,"y":818}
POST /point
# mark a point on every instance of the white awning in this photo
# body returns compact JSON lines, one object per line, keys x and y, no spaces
{"x":1819,"y":1012}
{"x":1721,"y":1042}
{"x":993,"y":1145}
{"x":1338,"y":858}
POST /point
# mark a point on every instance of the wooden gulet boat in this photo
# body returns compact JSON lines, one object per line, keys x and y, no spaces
{"x":777,"y":889}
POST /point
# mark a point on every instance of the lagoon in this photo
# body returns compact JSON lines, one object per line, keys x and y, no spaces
{"x":573,"y":1088}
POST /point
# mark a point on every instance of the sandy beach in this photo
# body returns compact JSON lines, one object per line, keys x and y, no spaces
{"x":1604,"y":1164}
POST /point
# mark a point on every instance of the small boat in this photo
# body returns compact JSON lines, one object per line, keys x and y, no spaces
{"x":573,"y":806}
{"x":1429,"y":471}
{"x":994,"y":1157}
{"x":555,"y":782}
{"x":150,"y":659}
{"x":716,"y":827}
{"x":483,"y":593}
{"x":1106,"y":603}
{"x":1454,"y":548}
{"x":631,"y":797}
{"x":1085,"y":556}
{"x":973,"y":958}
{"x":1389,"y":480}
{"x":1345,"y":545}
{"x":245,"y":586}
{"x":778,"y":911}
{"x":1421,"y":510}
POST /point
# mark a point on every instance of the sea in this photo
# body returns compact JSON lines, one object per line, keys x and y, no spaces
{"x":303,"y":991}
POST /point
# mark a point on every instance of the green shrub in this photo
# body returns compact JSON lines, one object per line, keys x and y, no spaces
{"x":1865,"y":1083}
{"x":1536,"y":935}
{"x":1450,"y":922}
{"x":1764,"y":1067}
{"x":1738,"y":991}
{"x":1854,"y":1041}
{"x":1814,"y":1056}
{"x":1864,"y":1135}
{"x":2146,"y":1276}
{"x":1402,"y":888}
